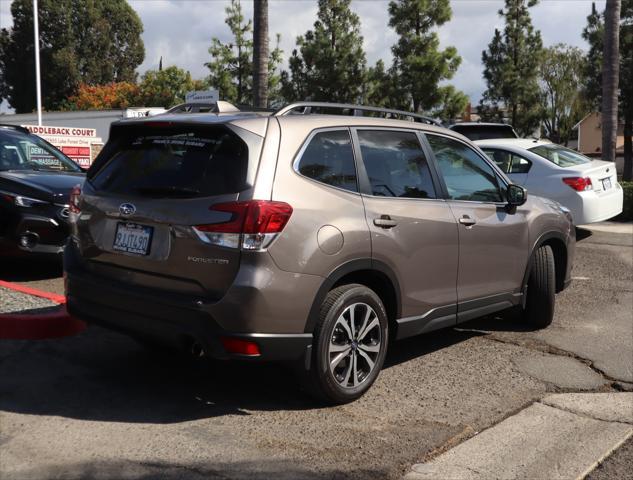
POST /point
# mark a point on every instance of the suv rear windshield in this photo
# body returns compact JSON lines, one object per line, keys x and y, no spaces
{"x":484,"y":132}
{"x":181,"y":161}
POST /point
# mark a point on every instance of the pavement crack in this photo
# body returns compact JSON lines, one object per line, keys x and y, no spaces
{"x":582,"y":414}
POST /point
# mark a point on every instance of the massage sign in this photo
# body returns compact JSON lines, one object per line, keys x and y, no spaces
{"x":80,"y":144}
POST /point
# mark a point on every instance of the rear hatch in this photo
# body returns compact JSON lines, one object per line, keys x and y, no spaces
{"x":150,"y":186}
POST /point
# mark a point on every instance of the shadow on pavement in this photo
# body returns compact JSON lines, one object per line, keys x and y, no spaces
{"x":26,"y":269}
{"x":129,"y":470}
{"x":582,"y":234}
{"x":104,"y":376}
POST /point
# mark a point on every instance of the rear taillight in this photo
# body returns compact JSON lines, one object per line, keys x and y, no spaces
{"x":75,"y":193}
{"x":240,"y":347}
{"x":579,"y":184}
{"x":254,"y":224}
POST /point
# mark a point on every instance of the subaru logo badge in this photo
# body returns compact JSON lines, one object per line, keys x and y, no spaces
{"x":127,"y":209}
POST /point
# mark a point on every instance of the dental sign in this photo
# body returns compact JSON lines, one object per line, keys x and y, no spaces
{"x":77,"y":143}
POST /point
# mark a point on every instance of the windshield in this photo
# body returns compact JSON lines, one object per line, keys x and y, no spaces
{"x":180,"y":161}
{"x":19,"y":151}
{"x":561,"y":156}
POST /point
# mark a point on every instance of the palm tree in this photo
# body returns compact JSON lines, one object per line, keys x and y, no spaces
{"x":260,"y":53}
{"x":610,"y":77}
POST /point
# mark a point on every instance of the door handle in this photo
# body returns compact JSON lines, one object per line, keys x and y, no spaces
{"x":466,"y":220}
{"x":385,"y":221}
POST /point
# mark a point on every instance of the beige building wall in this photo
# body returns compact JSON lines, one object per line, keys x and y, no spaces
{"x":590,"y":135}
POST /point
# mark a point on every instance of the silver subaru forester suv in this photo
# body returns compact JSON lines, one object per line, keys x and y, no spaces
{"x":314,"y":235}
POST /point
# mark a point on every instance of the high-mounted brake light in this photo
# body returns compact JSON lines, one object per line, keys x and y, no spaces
{"x":254,"y":224}
{"x":75,"y":193}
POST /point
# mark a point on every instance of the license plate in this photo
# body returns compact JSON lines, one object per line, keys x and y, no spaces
{"x":606,"y":183}
{"x":132,"y":238}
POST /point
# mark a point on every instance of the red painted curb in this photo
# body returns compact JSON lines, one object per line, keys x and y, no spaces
{"x":37,"y":327}
{"x":53,"y":297}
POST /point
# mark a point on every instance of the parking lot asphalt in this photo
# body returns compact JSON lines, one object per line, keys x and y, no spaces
{"x":100,"y":406}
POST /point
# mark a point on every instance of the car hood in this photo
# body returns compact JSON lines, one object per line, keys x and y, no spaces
{"x":49,"y":186}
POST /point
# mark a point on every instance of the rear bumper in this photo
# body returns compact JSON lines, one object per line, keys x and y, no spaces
{"x":591,"y":207}
{"x":174,"y":320}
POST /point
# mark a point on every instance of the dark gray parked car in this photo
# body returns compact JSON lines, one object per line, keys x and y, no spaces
{"x":306,"y":238}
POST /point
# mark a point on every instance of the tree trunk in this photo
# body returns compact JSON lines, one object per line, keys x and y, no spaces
{"x":627,"y":175}
{"x":260,"y":53}
{"x":610,"y":78}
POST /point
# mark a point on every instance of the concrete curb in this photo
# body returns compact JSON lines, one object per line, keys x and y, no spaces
{"x":52,"y":324}
{"x":564,"y":436}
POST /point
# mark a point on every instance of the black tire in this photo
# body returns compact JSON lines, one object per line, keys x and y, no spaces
{"x":327,"y":385}
{"x":541,"y":288}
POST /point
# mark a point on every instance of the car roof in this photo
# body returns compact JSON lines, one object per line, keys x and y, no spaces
{"x":520,"y":143}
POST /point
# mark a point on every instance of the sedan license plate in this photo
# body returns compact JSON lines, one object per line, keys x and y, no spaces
{"x":132,"y":238}
{"x":606,"y":183}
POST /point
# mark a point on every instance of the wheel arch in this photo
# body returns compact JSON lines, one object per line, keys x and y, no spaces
{"x":373,"y":274}
{"x":558,"y":244}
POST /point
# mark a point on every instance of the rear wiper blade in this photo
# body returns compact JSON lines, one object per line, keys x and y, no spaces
{"x":169,"y":191}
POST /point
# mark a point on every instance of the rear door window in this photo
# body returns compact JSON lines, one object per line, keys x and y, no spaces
{"x":395,"y":164}
{"x":174,"y":162}
{"x":329,"y":159}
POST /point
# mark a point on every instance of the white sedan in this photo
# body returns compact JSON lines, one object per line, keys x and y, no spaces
{"x":588,"y":188}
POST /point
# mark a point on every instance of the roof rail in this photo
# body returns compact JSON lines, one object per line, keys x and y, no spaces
{"x":19,"y":128}
{"x":355,"y":110}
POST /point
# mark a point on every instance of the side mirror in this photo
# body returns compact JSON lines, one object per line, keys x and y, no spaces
{"x":516,"y":194}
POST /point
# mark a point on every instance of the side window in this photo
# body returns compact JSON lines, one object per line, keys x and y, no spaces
{"x":508,"y":162}
{"x":395,"y":164}
{"x":466,"y":174}
{"x":329,"y":159}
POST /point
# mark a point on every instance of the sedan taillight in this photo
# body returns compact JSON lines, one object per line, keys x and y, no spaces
{"x":579,"y":184}
{"x":254,"y":224}
{"x":75,"y":193}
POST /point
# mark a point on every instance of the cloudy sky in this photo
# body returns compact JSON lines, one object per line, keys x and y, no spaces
{"x":181,"y":30}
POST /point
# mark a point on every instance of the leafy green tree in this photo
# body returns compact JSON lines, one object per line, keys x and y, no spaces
{"x":419,"y":64}
{"x":166,"y":87}
{"x":452,"y":104}
{"x":561,"y":78}
{"x":511,"y":69}
{"x":81,"y":41}
{"x":231,"y":64}
{"x":593,"y":34}
{"x":329,"y":63}
{"x":379,"y":87}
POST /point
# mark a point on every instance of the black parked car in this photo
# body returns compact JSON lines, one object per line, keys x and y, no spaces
{"x":484,"y":131}
{"x":36,"y":181}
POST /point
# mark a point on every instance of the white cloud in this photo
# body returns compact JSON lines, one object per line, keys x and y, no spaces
{"x":181,"y":30}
